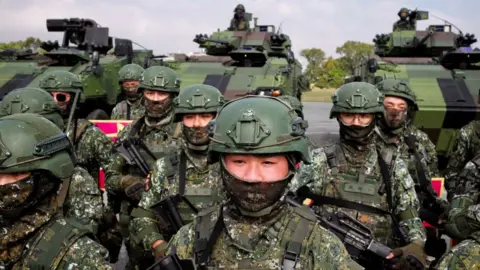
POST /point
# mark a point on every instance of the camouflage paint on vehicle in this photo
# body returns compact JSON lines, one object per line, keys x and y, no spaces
{"x":442,"y":70}
{"x":238,"y":62}
{"x":95,"y":57}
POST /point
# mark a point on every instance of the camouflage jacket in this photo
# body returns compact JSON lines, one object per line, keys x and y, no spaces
{"x":468,"y":181}
{"x":159,"y":140}
{"x":92,"y":147}
{"x":401,"y":25}
{"x":357,"y":178}
{"x":242,"y":25}
{"x":398,"y":147}
{"x":244,"y":244}
{"x":84,"y":201}
{"x":467,"y":145}
{"x":464,"y":256}
{"x":126,"y":110}
{"x":83,"y":253}
{"x":201,"y":189}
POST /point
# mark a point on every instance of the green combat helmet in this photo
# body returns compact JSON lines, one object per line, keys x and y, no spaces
{"x":29,"y":142}
{"x":198,"y":98}
{"x":162,"y":79}
{"x":32,"y":100}
{"x":357,"y":97}
{"x":402,"y":10}
{"x":398,"y":88}
{"x":259,"y":125}
{"x":61,"y":80}
{"x":239,"y":7}
{"x":295,"y":103}
{"x":131,"y":72}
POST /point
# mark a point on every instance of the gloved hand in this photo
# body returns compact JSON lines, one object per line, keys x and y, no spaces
{"x":133,"y":187}
{"x":159,"y":249}
{"x":410,"y":256}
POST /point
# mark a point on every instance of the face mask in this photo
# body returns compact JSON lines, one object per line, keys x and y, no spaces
{"x":395,"y":118}
{"x":196,"y":136}
{"x":15,"y":194}
{"x":253,"y":197}
{"x":357,"y":134}
{"x":157,"y":109}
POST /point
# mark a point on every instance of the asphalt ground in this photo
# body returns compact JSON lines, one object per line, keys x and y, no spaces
{"x":321,"y":130}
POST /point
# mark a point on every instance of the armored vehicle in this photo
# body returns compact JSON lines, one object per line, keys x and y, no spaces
{"x":240,"y":62}
{"x":442,"y":70}
{"x":86,"y":50}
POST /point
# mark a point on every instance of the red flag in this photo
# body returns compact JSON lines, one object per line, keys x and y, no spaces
{"x":437,"y":184}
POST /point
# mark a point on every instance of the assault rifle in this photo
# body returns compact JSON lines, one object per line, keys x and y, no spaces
{"x":128,"y":148}
{"x":172,"y":262}
{"x":356,"y":237}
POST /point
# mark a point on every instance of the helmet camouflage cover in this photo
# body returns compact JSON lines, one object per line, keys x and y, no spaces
{"x":29,"y":142}
{"x":357,"y":97}
{"x":32,"y":100}
{"x":259,"y":125}
{"x":199,"y":98}
{"x":130,"y":72}
{"x":160,"y":78}
{"x":61,"y":80}
{"x":398,"y":88}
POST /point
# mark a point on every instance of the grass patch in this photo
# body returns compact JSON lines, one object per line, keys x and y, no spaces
{"x":318,"y":95}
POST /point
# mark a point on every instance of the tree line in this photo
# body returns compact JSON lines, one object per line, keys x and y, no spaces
{"x":321,"y":71}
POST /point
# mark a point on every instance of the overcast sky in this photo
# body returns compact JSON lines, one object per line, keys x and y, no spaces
{"x":170,"y":25}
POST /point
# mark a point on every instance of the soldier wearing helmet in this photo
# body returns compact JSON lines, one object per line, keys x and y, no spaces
{"x":351,"y":174}
{"x":92,"y":146}
{"x":131,"y":108}
{"x":257,"y":152}
{"x":36,"y":164}
{"x":239,"y":22}
{"x":408,"y":20}
{"x":186,"y":173}
{"x":155,"y":130}
{"x":464,"y":220}
{"x":84,"y":200}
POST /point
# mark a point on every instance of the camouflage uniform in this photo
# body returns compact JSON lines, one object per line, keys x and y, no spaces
{"x":239,"y":24}
{"x":350,"y":171}
{"x":464,"y":256}
{"x":158,"y":133}
{"x":84,"y":201}
{"x":92,"y":149}
{"x":257,"y":234}
{"x":34,"y":235}
{"x":131,"y":108}
{"x":466,"y":147}
{"x":405,"y":23}
{"x":201,"y":180}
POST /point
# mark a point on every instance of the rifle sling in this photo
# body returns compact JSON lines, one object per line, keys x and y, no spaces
{"x":203,"y":255}
{"x":182,"y":177}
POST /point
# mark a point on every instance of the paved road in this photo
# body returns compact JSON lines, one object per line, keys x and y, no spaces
{"x":321,"y":129}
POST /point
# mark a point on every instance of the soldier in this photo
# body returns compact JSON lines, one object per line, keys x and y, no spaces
{"x":351,"y":175}
{"x":36,"y":162}
{"x":195,"y":107}
{"x":255,"y":228}
{"x":131,"y":108}
{"x":464,"y":221}
{"x":155,"y":130}
{"x":407,"y":20}
{"x":84,"y":200}
{"x":238,"y":22}
{"x":466,"y":147}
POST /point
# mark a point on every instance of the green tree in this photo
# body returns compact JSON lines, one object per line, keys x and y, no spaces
{"x":315,"y":57}
{"x":28,"y":43}
{"x":353,"y":53}
{"x":331,"y":74}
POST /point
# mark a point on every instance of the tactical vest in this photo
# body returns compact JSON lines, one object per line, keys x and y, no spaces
{"x":359,"y":183}
{"x":285,"y":246}
{"x":53,"y":243}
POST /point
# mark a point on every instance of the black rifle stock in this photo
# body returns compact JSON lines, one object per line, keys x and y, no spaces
{"x":129,"y":151}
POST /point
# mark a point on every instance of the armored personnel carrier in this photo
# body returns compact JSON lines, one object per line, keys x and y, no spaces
{"x":442,"y":70}
{"x":241,"y":62}
{"x":86,"y":50}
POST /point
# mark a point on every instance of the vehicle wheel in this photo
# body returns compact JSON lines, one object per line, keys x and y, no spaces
{"x":98,"y":114}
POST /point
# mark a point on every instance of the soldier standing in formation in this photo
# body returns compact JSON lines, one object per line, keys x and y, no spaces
{"x":131,"y":108}
{"x":238,"y":22}
{"x":255,"y":228}
{"x":159,"y":86}
{"x":188,"y":174}
{"x":37,"y":161}
{"x":92,"y":146}
{"x":351,"y":176}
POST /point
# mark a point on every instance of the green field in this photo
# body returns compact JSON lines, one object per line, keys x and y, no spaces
{"x":318,"y":95}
